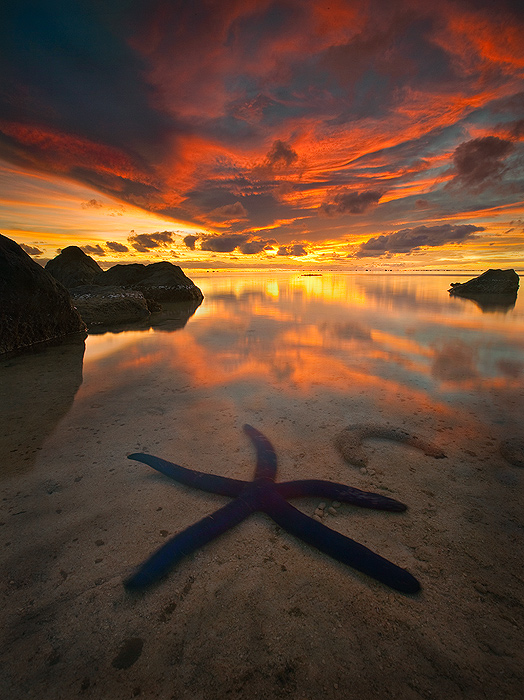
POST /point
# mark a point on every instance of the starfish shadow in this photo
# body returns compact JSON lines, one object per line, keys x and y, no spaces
{"x":265,"y":495}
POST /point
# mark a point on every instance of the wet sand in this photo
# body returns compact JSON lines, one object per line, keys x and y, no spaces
{"x":256,"y":613}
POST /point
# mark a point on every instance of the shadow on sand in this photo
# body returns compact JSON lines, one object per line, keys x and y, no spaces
{"x":37,"y":389}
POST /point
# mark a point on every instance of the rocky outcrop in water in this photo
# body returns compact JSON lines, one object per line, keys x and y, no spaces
{"x":124,"y":294}
{"x":160,"y":282}
{"x":34,"y":307}
{"x":489,"y":282}
{"x":72,"y":267}
{"x":109,"y":306}
{"x":493,"y":290}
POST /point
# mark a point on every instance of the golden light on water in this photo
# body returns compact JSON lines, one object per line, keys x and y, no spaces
{"x":400,"y":337}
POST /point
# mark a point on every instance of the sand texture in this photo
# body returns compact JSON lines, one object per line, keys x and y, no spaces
{"x":256,"y":613}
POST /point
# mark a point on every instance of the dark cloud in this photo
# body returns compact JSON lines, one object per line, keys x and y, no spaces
{"x":422,"y":204}
{"x":297,"y":249}
{"x":481,"y":161}
{"x":143,"y":242}
{"x":31,"y":250}
{"x":410,"y":239}
{"x":281,"y":155}
{"x":117,"y":247}
{"x":351,"y":203}
{"x":92,"y":204}
{"x":392,"y":48}
{"x":227,"y":212}
{"x":224,"y":244}
{"x":517,"y":129}
{"x":190,"y":241}
{"x":72,"y":65}
{"x":184,"y":108}
{"x":256,"y":246}
{"x":93,"y":249}
{"x":227,"y":243}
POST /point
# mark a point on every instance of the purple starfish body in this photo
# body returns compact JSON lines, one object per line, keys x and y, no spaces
{"x":265,"y":495}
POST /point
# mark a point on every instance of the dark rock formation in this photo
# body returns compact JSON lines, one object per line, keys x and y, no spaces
{"x":123,"y":294}
{"x":122,"y":275}
{"x":73,"y":267}
{"x":493,"y":290}
{"x":489,"y":282}
{"x":160,"y":282}
{"x":109,"y":306}
{"x":34,"y":307}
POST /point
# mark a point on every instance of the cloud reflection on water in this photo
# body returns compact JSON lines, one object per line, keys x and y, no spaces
{"x":400,"y":335}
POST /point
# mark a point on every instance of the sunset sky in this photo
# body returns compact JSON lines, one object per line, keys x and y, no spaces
{"x":316,"y":134}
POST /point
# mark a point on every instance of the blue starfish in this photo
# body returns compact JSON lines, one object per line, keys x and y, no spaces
{"x":264,"y":494}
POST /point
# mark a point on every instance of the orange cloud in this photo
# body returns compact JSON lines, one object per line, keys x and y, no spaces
{"x":63,"y":152}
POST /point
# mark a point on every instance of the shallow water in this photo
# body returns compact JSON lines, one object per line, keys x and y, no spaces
{"x":311,"y":352}
{"x":257,"y":613}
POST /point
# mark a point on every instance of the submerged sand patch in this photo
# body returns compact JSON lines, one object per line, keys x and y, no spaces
{"x":256,"y":613}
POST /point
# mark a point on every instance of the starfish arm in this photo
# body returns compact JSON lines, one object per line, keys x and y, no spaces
{"x":338,"y":492}
{"x":221,"y":485}
{"x":338,"y":546}
{"x":188,"y":541}
{"x":266,"y":457}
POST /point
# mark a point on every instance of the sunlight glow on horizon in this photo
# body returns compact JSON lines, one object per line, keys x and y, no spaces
{"x":294,"y":135}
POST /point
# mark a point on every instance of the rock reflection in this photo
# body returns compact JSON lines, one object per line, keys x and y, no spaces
{"x":492,"y":303}
{"x":36,"y":390}
{"x":172,"y":317}
{"x":396,"y":346}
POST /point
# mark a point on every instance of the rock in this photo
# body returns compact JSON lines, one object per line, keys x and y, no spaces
{"x":34,"y":307}
{"x":116,"y":309}
{"x":493,"y":290}
{"x":73,"y":267}
{"x":122,"y":275}
{"x":489,"y":282}
{"x":167,"y":282}
{"x":124,"y":294}
{"x":158,"y":282}
{"x":109,"y":306}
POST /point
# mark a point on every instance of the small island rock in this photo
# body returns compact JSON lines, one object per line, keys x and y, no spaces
{"x":34,"y":307}
{"x":492,"y":291}
{"x":489,"y":282}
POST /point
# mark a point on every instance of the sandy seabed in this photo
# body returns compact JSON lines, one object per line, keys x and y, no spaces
{"x":255,"y":614}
